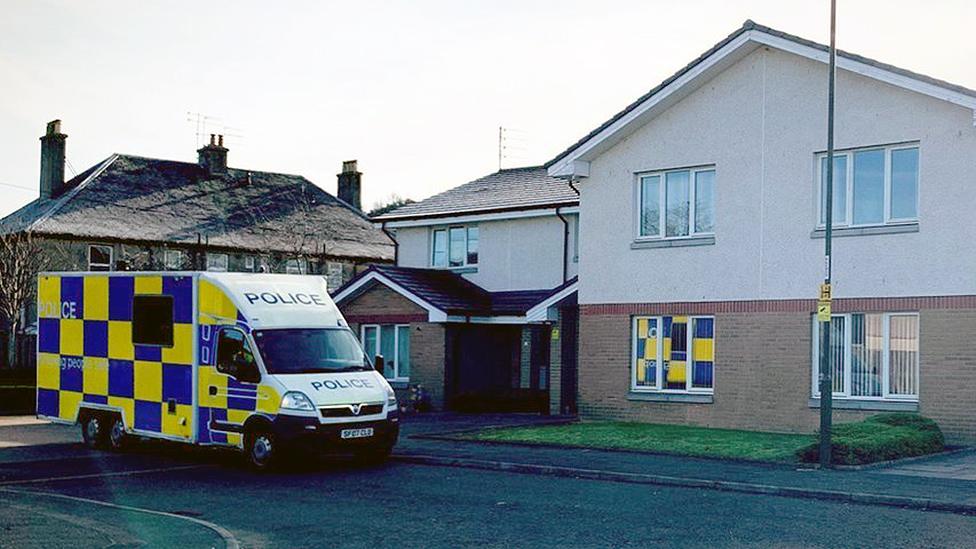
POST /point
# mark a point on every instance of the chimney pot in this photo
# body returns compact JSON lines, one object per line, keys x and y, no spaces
{"x":52,"y":160}
{"x":211,"y":139}
{"x":350,"y":184}
{"x":220,"y":140}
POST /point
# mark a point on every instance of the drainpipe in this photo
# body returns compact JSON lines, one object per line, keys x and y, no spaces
{"x":565,"y":243}
{"x":396,"y":243}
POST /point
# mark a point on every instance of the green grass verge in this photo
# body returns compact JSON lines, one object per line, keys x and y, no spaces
{"x":882,"y":437}
{"x":648,"y":437}
{"x":879,"y":438}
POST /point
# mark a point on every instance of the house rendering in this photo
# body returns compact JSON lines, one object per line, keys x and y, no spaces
{"x":479,"y":309}
{"x":702,"y":243}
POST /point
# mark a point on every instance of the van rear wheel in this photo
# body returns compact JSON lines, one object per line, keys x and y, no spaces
{"x":118,"y":439}
{"x":94,"y":430}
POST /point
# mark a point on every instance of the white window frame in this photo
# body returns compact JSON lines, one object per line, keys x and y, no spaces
{"x":249,"y":263}
{"x":849,"y":191}
{"x":848,"y":356}
{"x":396,"y":346}
{"x":662,"y":204}
{"x":111,"y":258}
{"x":212,"y":267}
{"x":447,"y":250}
{"x":659,"y":370}
{"x":333,"y":270}
{"x":168,"y":262}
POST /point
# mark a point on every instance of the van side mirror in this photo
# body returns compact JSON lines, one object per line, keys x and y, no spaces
{"x":378,"y":362}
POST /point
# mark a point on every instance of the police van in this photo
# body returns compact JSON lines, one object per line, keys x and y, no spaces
{"x":260,"y":362}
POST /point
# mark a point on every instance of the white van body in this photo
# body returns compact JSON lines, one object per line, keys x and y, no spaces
{"x":259,"y":362}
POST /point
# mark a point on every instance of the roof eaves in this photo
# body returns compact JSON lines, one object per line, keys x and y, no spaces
{"x":478,"y":211}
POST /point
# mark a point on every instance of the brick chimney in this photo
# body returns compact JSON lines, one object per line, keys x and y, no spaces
{"x":52,"y":160}
{"x":213,"y":157}
{"x":350,"y":184}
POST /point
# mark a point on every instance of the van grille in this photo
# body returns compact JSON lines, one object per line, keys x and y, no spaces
{"x":346,"y":411}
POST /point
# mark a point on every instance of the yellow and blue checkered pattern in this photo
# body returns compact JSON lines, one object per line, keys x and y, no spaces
{"x":86,"y":353}
{"x":673,"y":334}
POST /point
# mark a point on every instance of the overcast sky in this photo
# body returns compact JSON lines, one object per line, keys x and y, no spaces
{"x":414,"y":90}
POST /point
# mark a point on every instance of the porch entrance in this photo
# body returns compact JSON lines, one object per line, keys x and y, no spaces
{"x":497,"y":368}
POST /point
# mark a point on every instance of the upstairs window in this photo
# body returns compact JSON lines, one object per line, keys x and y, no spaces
{"x":173,"y":260}
{"x":296,"y":266}
{"x":872,"y":186}
{"x":217,"y":262}
{"x":99,"y":258}
{"x":677,"y":203}
{"x":455,"y":247}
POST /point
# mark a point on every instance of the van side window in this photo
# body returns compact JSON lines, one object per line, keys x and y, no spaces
{"x":152,"y":320}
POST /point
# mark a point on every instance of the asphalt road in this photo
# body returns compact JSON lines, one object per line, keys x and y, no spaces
{"x":206,"y":498}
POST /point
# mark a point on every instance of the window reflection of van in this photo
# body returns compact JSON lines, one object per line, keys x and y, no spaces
{"x":259,"y":362}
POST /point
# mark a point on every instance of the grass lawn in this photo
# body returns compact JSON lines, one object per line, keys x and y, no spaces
{"x":672,"y":439}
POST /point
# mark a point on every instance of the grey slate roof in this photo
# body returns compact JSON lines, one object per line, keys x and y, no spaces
{"x":455,"y":295}
{"x":748,"y":26}
{"x":146,"y":199}
{"x":510,"y":189}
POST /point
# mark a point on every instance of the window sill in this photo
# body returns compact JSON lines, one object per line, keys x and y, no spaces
{"x":895,"y":228}
{"x":873,"y":405}
{"x":459,"y":270}
{"x":673,"y":242}
{"x":688,"y":398}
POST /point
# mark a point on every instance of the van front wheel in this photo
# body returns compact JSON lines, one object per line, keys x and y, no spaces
{"x":261,"y":450}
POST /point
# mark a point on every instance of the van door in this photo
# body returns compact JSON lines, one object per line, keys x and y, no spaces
{"x":229,"y":390}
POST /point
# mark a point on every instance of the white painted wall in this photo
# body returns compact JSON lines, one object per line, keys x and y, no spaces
{"x":761,"y":122}
{"x":514,"y":254}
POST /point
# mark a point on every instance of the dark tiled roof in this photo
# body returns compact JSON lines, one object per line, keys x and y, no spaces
{"x":145,"y":199}
{"x":455,"y":295}
{"x":748,"y":26}
{"x":516,"y":188}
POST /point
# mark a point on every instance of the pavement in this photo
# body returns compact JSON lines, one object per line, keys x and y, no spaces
{"x":56,"y":493}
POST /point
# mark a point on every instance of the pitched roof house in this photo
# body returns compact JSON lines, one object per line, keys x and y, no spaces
{"x":702,"y":251}
{"x":485,"y":275}
{"x":131,"y":212}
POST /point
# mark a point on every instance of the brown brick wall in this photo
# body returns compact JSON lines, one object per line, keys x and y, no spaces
{"x":763,"y":373}
{"x":381,"y":305}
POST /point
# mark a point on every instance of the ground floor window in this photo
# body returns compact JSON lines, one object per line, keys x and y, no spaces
{"x":872,"y":355}
{"x":673,"y":353}
{"x":393,"y":342}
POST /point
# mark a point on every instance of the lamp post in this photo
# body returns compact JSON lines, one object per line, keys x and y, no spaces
{"x":823,"y":306}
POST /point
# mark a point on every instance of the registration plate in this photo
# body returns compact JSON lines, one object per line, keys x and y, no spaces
{"x":356,"y":433}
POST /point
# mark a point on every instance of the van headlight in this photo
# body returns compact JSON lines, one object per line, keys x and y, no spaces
{"x":294,"y":400}
{"x":390,"y":396}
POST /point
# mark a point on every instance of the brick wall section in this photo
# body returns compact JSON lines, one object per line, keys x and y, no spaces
{"x":763,"y":373}
{"x":381,"y":305}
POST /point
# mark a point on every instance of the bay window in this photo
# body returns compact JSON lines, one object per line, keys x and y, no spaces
{"x":455,"y":247}
{"x":677,"y":203}
{"x":872,"y":356}
{"x":872,"y":186}
{"x":673,"y":353}
{"x":393,"y":342}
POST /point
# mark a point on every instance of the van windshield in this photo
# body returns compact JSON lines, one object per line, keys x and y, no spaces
{"x":310,"y":351}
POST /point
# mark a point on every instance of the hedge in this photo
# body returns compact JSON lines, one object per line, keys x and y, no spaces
{"x":882,"y":437}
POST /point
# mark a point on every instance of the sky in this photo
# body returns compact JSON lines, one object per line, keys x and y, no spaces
{"x":415,"y":90}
